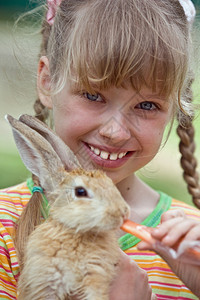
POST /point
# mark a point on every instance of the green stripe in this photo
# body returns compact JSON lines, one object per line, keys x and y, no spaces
{"x":144,"y":257}
{"x":174,"y":294}
{"x":3,"y":245}
{"x":6,"y":237}
{"x":128,"y":240}
{"x":9,"y":217}
{"x":4,"y":272}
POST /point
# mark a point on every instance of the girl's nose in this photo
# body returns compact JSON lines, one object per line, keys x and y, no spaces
{"x":115,"y":130}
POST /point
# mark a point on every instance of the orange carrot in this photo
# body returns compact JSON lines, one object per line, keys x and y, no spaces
{"x":140,"y":231}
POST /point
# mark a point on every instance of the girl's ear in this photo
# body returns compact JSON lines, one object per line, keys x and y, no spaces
{"x":44,"y":82}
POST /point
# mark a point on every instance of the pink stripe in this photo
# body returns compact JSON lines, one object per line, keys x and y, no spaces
{"x":11,"y":202}
{"x":19,"y":193}
{"x":5,"y":253}
{"x":11,"y":249}
{"x":158,"y":268}
{"x":7,"y":221}
{"x":5,"y":293}
{"x":7,"y":271}
{"x":4,"y":234}
{"x":183,"y":206}
{"x":9,"y":212}
{"x":7,"y":282}
{"x":8,"y":225}
{"x":192,"y":215}
{"x":4,"y":250}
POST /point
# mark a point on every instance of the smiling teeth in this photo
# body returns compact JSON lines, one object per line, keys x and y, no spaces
{"x":107,"y":155}
{"x":104,"y":154}
{"x":114,"y":156}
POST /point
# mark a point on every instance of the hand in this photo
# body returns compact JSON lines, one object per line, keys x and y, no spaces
{"x":131,"y":282}
{"x":175,"y":226}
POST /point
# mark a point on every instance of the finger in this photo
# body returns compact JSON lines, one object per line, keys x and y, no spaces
{"x":171,"y":214}
{"x":163,"y":229}
{"x":194,"y":233}
{"x":178,"y":231}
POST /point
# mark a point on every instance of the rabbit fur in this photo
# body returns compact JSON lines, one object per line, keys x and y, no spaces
{"x":75,"y":251}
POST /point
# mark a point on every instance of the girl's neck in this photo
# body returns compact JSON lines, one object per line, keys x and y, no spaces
{"x":141,"y":198}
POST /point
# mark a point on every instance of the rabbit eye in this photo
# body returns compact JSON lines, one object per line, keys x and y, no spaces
{"x":81,"y":192}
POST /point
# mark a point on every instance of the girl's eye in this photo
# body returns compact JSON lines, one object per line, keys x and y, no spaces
{"x":94,"y":98}
{"x":146,"y":105}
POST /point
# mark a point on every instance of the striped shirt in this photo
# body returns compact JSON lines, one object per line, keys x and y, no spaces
{"x":164,"y":282}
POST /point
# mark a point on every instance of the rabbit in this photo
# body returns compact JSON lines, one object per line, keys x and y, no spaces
{"x":75,"y":250}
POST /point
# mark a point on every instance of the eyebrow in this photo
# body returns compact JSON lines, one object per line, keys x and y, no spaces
{"x":157,"y":96}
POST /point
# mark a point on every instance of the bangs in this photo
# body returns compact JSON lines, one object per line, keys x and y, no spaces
{"x":112,"y":43}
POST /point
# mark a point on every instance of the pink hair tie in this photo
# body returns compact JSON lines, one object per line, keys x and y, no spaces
{"x":52,"y":8}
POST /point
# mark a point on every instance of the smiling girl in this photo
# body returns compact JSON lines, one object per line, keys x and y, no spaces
{"x":114,"y":74}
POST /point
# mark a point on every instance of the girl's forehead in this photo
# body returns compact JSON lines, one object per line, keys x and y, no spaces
{"x":144,"y":44}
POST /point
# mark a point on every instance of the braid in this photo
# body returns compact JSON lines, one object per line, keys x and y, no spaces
{"x":185,"y":131}
{"x":29,"y":219}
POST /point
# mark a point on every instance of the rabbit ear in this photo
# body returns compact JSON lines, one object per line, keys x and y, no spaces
{"x":66,"y":155}
{"x":37,"y":154}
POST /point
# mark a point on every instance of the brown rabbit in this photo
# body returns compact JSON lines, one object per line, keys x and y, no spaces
{"x":75,"y":251}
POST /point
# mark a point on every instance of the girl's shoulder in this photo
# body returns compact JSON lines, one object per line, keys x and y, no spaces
{"x":12,"y":202}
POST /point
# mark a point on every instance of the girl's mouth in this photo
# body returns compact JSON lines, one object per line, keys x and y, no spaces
{"x":106,"y":155}
{"x":107,"y":159}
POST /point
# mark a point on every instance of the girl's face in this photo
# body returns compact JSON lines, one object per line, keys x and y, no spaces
{"x":117,"y":130}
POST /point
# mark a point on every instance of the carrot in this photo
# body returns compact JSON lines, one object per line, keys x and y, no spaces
{"x":140,"y":231}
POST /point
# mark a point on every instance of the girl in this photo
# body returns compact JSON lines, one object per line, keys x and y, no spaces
{"x":114,"y":73}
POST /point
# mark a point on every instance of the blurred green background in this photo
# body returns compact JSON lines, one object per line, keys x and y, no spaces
{"x":18,"y":63}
